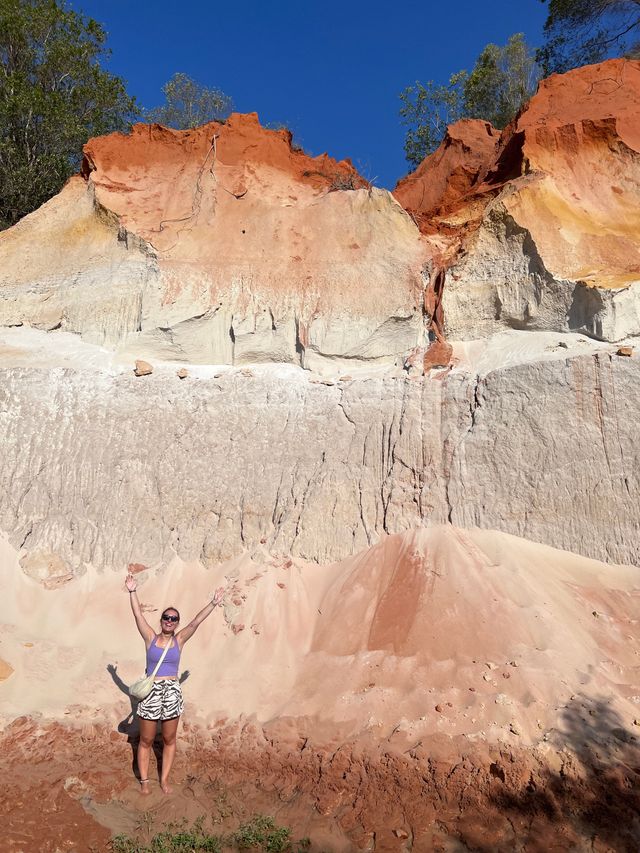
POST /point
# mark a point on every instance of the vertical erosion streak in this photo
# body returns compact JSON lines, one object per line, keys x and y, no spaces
{"x":439,"y":352}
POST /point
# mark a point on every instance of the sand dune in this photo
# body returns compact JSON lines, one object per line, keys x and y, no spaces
{"x":441,"y":666}
{"x":439,"y":630}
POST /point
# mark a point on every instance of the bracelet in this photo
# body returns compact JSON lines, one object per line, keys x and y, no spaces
{"x":131,"y":591}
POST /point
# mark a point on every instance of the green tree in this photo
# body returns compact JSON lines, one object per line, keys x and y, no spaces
{"x":578,"y":32}
{"x":53,"y":96}
{"x":188,"y":104}
{"x":427,"y":109}
{"x":502,"y":80}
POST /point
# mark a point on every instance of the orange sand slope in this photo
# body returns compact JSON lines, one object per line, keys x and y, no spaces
{"x":438,"y":631}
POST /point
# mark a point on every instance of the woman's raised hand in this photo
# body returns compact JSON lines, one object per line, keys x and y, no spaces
{"x":131,"y":583}
{"x":218,"y":595}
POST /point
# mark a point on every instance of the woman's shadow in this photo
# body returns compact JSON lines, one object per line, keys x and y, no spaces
{"x":129,"y":726}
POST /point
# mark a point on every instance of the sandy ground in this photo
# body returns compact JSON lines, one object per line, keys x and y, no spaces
{"x":72,"y":788}
{"x":348,"y":699}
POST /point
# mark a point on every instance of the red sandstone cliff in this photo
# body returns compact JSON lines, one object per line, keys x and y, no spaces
{"x":567,"y":169}
{"x":445,"y":178}
{"x":542,"y":229}
{"x":228,"y":245}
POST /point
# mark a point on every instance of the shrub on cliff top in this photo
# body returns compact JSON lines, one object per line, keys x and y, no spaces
{"x":189,"y":104}
{"x":53,"y":96}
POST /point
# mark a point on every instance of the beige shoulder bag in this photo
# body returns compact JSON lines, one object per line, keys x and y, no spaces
{"x":141,"y":688}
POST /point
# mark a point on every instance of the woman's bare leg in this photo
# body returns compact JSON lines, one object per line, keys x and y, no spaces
{"x":148,"y":730}
{"x":169,"y":732}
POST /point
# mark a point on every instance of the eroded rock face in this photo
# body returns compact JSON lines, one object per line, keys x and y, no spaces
{"x":69,"y":266}
{"x":121,"y":469}
{"x":547,"y":233}
{"x":227,"y":245}
{"x":445,"y":178}
{"x":220,"y":245}
{"x":224,"y":244}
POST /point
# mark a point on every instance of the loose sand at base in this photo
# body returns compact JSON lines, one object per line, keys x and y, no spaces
{"x":420,"y":679}
{"x":436,"y":631}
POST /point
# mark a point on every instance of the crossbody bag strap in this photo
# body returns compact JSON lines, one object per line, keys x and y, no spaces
{"x":159,"y":664}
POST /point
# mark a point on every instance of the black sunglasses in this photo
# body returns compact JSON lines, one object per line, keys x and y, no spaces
{"x":170,"y":618}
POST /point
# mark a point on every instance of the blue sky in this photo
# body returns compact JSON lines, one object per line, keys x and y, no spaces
{"x":331,"y":71}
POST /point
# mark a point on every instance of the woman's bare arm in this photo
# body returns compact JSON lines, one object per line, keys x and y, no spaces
{"x":145,"y":629}
{"x":189,"y":630}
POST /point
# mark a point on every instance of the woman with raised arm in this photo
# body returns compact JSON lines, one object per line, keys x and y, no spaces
{"x":164,"y":703}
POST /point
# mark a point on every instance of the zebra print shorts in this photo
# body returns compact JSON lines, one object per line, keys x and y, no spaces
{"x":163,"y":703}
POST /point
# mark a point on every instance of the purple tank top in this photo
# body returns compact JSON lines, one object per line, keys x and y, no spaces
{"x":170,"y":663}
